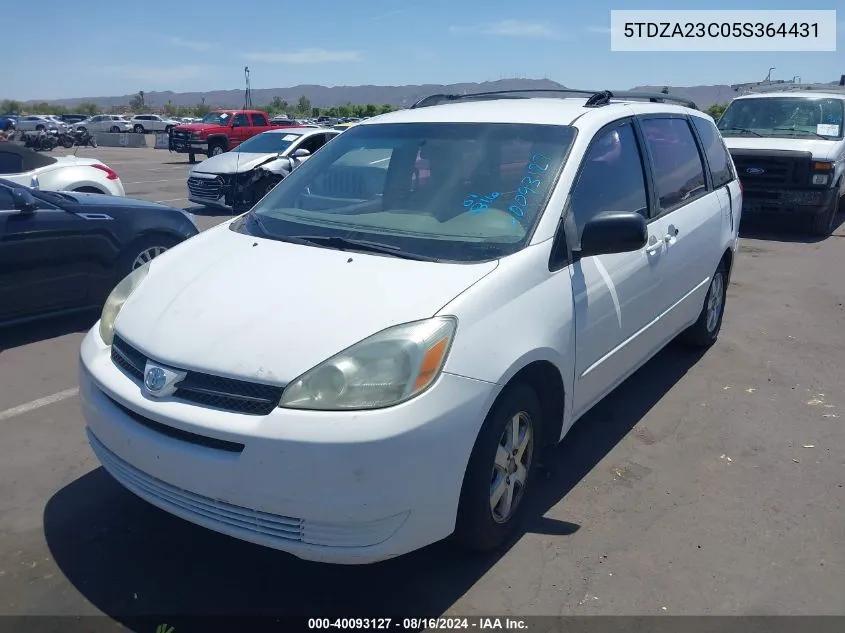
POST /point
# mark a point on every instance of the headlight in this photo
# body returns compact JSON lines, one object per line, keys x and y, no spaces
{"x":116,"y":300}
{"x":819,"y":179}
{"x":381,"y":371}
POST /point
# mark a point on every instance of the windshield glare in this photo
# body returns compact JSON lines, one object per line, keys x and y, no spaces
{"x":784,"y":116}
{"x":449,"y":191}
{"x":267,"y":143}
{"x":216,"y":118}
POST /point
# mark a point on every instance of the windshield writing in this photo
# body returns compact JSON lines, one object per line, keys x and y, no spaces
{"x":452,"y":191}
{"x":216,"y":118}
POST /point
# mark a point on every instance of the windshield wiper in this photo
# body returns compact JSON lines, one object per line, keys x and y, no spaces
{"x":792,"y":129}
{"x":744,"y":130}
{"x":346,"y":244}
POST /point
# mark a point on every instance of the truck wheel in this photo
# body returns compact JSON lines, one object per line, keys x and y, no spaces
{"x":139,"y":129}
{"x":215,"y":149}
{"x":192,"y":158}
{"x":824,"y":221}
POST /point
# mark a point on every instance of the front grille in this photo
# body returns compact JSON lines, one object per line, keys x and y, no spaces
{"x":228,"y":394}
{"x":763,"y":170}
{"x":181,"y":135}
{"x":206,"y":187}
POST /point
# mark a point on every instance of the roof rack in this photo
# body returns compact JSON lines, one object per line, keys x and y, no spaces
{"x":597,"y":98}
{"x":786,"y":86}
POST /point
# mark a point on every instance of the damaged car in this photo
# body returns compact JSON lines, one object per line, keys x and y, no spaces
{"x":236,"y":180}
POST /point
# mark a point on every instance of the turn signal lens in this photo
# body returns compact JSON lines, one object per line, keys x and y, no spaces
{"x":819,"y":166}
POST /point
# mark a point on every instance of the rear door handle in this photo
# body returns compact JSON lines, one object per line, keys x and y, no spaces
{"x":655,"y":246}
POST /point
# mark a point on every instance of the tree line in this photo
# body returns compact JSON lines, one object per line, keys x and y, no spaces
{"x":137,"y":105}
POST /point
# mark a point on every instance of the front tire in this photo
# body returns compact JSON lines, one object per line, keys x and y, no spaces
{"x":144,"y":250}
{"x":139,"y":129}
{"x":705,"y":331}
{"x":824,"y":221}
{"x":215,"y":149}
{"x":501,"y":471}
{"x":192,"y":158}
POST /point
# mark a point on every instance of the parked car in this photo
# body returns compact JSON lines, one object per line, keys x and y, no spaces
{"x":378,"y":354}
{"x":8,"y":122}
{"x":218,"y":132}
{"x":790,"y":151}
{"x":238,"y":179}
{"x":105,"y":123}
{"x":38,"y":122}
{"x":62,"y":252}
{"x":70,"y":119}
{"x":284,"y":122}
{"x":57,"y":173}
{"x":143,"y":123}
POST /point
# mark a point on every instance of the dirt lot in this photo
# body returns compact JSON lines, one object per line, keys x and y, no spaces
{"x":706,"y":484}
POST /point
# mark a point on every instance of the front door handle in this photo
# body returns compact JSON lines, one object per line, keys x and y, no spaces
{"x":654,"y":245}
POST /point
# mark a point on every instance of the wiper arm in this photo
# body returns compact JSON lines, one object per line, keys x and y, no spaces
{"x":792,"y":129}
{"x":346,"y":244}
{"x":744,"y":130}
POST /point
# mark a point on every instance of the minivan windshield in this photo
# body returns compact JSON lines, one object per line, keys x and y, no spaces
{"x":459,"y":192}
{"x":787,"y":117}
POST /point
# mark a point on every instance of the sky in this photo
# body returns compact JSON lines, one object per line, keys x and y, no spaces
{"x":107,"y":48}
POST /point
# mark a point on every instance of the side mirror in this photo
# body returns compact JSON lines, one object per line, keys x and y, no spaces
{"x":24,"y":201}
{"x":300,"y":153}
{"x":614,"y":232}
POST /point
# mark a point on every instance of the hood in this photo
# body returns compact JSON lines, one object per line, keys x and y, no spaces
{"x":195,"y":127}
{"x":821,"y":150}
{"x":89,"y":200}
{"x":258,"y":309}
{"x":231,"y":163}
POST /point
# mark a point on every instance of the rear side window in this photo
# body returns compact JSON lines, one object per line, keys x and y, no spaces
{"x":715,"y":150}
{"x":10,"y":163}
{"x":259,"y":120}
{"x":678,"y":170}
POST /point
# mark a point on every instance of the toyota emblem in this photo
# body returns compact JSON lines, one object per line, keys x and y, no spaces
{"x":155,"y":379}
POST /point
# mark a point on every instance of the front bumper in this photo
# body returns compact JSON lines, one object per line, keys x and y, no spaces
{"x":348,"y":487}
{"x":187,"y":146}
{"x":782,"y":201}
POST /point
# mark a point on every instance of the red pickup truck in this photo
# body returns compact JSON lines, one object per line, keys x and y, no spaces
{"x":218,"y":132}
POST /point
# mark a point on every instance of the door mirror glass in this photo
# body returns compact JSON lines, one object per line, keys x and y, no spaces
{"x":613,"y":232}
{"x":24,"y":201}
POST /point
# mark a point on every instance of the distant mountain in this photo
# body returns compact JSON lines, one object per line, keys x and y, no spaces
{"x":397,"y":96}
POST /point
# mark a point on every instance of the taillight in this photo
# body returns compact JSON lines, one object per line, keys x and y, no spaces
{"x":111,"y":174}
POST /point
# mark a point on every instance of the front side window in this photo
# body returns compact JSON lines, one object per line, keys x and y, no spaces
{"x":677,"y":165}
{"x":447,"y":191}
{"x":611,"y":178}
{"x":786,"y":117}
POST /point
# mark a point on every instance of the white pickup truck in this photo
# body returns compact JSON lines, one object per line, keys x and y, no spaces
{"x":143,"y":123}
{"x":788,"y":145}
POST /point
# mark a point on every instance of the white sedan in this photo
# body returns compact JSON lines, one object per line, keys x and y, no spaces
{"x":105,"y":123}
{"x":57,"y":173}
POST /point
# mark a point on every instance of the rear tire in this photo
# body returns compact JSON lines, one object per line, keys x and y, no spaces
{"x":498,"y":466}
{"x":704,"y":332}
{"x":824,"y":221}
{"x":114,"y":129}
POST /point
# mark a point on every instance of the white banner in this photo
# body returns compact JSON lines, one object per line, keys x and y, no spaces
{"x":723,"y":30}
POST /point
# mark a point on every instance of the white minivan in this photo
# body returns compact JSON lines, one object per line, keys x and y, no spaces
{"x":375,"y":356}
